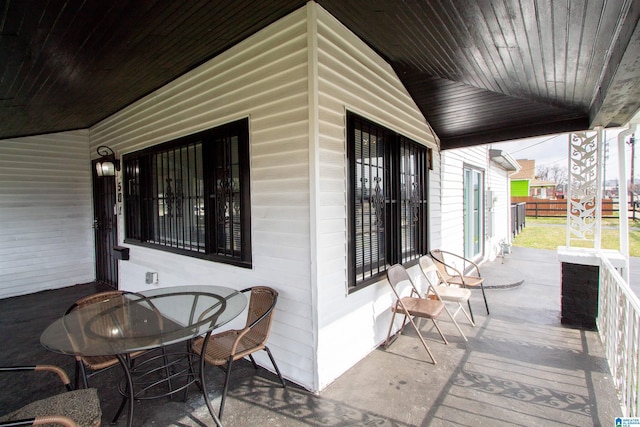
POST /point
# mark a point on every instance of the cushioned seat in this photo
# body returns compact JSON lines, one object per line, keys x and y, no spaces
{"x":82,"y":406}
{"x":72,"y":408}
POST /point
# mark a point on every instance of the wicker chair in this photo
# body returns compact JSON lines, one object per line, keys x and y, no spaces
{"x":75,"y":408}
{"x":226,"y":347}
{"x":411,"y":306}
{"x":95,"y":364}
{"x":453,"y":270}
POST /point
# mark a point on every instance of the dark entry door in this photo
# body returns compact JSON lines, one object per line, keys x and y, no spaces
{"x":106,"y":228}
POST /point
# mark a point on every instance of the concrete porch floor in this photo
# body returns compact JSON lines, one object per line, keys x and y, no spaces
{"x":520,"y":367}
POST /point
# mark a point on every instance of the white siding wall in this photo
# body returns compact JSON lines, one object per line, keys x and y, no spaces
{"x":297,"y":109}
{"x":452,"y":225}
{"x":498,"y":182}
{"x":350,"y":77}
{"x":295,"y":80}
{"x":46,"y":234}
{"x":263,"y":78}
{"x":453,"y":162}
{"x":435,"y":202}
{"x":495,"y":179}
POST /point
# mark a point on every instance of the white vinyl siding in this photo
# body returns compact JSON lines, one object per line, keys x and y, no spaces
{"x":351,"y":77}
{"x":496,"y":224}
{"x":298,"y":178}
{"x":46,"y":234}
{"x":263,"y":78}
{"x":294,"y":81}
{"x":497,"y":181}
{"x":453,"y":162}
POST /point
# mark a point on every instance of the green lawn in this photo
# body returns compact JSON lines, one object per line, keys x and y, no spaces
{"x":549,"y":233}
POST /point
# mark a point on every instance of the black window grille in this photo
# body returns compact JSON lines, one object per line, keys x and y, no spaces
{"x":192,"y":196}
{"x":388,"y":191}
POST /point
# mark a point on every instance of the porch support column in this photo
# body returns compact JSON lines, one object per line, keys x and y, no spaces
{"x":599,"y":181}
{"x":583,"y":218}
{"x":623,"y":193}
{"x":580,"y":266}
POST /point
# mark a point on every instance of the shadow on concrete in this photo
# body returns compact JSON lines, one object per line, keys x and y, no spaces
{"x":519,"y":367}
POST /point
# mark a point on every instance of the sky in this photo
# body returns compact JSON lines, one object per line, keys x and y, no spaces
{"x":553,"y":150}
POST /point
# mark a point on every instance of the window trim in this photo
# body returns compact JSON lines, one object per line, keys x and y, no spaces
{"x":393,"y":238}
{"x":239,"y":128}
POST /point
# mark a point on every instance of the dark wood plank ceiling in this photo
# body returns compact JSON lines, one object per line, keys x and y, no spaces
{"x":480,"y":71}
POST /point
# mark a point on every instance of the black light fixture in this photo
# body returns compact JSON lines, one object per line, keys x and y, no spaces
{"x":107,"y":165}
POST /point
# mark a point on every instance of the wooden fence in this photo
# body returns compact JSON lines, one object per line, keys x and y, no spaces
{"x":536,"y":208}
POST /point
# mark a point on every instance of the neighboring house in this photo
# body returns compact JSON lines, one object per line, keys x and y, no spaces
{"x":476,"y":206}
{"x":267,"y":165}
{"x":525,"y":184}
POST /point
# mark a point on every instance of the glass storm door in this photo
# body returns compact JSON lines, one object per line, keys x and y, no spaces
{"x":473,"y":196}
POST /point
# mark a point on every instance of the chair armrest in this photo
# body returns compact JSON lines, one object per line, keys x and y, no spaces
{"x":476,"y":267}
{"x":241,"y":334}
{"x":464,"y":260}
{"x":39,"y":421}
{"x":473,"y":265}
{"x":58,"y":371}
{"x":48,"y":368}
{"x":451,"y":267}
{"x":55,"y":419}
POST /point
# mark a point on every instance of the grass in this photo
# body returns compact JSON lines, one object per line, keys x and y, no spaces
{"x":549,"y":233}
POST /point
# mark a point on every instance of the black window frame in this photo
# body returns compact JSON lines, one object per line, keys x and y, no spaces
{"x":220,"y":194}
{"x":390,"y":206}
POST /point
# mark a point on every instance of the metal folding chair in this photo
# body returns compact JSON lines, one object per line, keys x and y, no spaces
{"x":445,"y":292}
{"x":452,"y":269}
{"x":411,"y":306}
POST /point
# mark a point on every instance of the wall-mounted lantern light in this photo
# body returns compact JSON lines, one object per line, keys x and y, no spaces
{"x":107,"y":165}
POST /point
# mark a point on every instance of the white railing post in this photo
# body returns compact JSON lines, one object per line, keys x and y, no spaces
{"x":599,"y":181}
{"x":623,"y":192}
{"x":618,"y":324}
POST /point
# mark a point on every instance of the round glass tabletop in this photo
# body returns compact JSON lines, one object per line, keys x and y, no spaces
{"x":139,"y":321}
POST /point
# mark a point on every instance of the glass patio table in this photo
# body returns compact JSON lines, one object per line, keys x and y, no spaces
{"x":146,"y":320}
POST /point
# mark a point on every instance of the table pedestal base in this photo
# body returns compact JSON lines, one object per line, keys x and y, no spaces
{"x":162,"y":375}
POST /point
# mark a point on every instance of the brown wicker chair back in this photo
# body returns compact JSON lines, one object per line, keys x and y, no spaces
{"x":228,"y":346}
{"x":260,"y":314}
{"x":96,"y":364}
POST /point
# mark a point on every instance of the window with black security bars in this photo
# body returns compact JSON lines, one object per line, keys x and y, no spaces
{"x":132,"y":199}
{"x":413,"y":200}
{"x":388,"y":191}
{"x":227,"y":197}
{"x":176,"y":195}
{"x":191,"y":195}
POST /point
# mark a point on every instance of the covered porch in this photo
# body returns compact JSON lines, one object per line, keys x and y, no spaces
{"x":519,"y":367}
{"x":290,"y":76}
